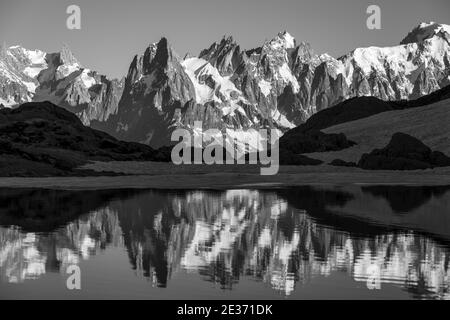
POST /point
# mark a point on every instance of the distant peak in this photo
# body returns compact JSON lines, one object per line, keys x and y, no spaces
{"x":67,"y":56}
{"x":305,"y":47}
{"x":289,"y":39}
{"x":219,"y":48}
{"x":226,"y":42}
{"x":325,"y":57}
{"x":152,"y":45}
{"x":227,"y":38}
{"x":283,"y":39}
{"x":424,"y":31}
{"x":426,"y":24}
{"x":3,"y":50}
{"x":285,"y":34}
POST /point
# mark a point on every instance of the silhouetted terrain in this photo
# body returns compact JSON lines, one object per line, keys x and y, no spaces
{"x":314,"y":141}
{"x":363,"y":107}
{"x":41,"y":139}
{"x":403,"y":152}
{"x":308,"y":137}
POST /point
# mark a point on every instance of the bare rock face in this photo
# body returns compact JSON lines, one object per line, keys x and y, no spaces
{"x":33,"y":75}
{"x":226,"y":56}
{"x":86,"y":93}
{"x":278,"y":85}
{"x":156,"y":90}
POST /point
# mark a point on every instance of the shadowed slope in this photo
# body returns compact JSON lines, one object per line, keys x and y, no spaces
{"x":429,"y":124}
{"x":44,"y":139}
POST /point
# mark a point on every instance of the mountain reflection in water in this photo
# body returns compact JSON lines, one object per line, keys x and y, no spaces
{"x":283,"y":239}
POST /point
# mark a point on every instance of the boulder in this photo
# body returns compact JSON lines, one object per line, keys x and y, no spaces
{"x":403,"y":152}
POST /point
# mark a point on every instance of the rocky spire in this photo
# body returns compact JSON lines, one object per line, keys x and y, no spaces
{"x":148,"y":57}
{"x":225,"y":55}
{"x":3,"y":50}
{"x":67,"y":56}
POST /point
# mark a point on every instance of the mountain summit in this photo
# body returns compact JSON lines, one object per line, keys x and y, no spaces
{"x":279,"y":84}
{"x":426,"y":31}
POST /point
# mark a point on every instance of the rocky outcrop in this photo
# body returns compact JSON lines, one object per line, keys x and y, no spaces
{"x":156,"y":91}
{"x":403,"y":152}
{"x":86,"y":93}
{"x":42,"y":139}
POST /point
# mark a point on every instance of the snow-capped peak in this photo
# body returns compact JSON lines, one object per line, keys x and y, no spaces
{"x":282,"y":40}
{"x":19,"y":68}
{"x":69,"y":63}
{"x":31,"y":56}
{"x":67,"y":56}
{"x":288,"y":39}
{"x":426,"y":30}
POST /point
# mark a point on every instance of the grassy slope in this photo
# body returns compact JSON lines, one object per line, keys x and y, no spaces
{"x":430,"y":124}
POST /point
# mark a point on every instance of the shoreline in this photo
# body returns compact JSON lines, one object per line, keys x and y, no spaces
{"x":150,"y":175}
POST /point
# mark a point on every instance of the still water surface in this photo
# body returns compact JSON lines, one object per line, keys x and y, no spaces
{"x":383,"y":242}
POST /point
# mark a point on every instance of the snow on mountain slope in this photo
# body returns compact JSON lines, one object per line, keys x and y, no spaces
{"x":18,"y":70}
{"x":277,"y":85}
{"x":425,"y":30}
{"x":272,"y":65}
{"x":210,"y":86}
{"x":37,"y":59}
{"x":404,"y":71}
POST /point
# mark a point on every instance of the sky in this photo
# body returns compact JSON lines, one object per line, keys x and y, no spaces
{"x":113,"y":31}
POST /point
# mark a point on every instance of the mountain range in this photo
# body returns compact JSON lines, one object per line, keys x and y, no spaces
{"x":279,"y":84}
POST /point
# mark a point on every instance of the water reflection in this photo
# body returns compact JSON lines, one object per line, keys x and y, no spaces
{"x":283,"y":239}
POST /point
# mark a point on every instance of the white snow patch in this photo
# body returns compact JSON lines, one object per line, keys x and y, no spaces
{"x":32,"y":72}
{"x":8,"y":102}
{"x":31,"y":86}
{"x":265,"y":238}
{"x":374,"y":58}
{"x":36,"y":56}
{"x":265,"y":86}
{"x":87,"y":80}
{"x":282,"y":41}
{"x":288,"y":77}
{"x":66,"y":70}
{"x":282,"y":120}
{"x":198,"y":71}
{"x":289,"y":40}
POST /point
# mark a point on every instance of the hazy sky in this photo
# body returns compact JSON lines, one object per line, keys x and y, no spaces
{"x":114,"y":31}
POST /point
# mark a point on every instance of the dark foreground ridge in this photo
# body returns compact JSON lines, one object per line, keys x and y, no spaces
{"x":362,"y":107}
{"x":42,"y":139}
{"x":308,"y":137}
{"x":403,"y":152}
